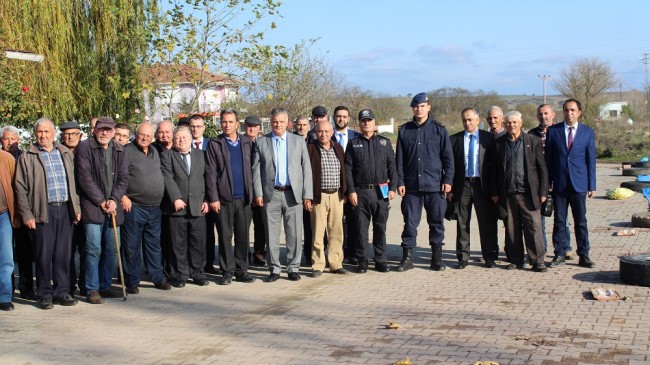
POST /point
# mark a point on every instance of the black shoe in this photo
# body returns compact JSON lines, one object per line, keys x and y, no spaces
{"x":273,"y":277}
{"x":315,"y":274}
{"x":294,"y":276}
{"x":407,"y":261}
{"x":258,"y":259}
{"x":201,"y":281}
{"x":28,"y":294}
{"x":340,"y":271}
{"x":66,"y":301}
{"x":382,"y":267}
{"x":7,"y":307}
{"x":353,"y":261}
{"x":585,"y":261}
{"x":362,"y":267}
{"x":110,"y":293}
{"x":133,"y":290}
{"x":45,"y":303}
{"x":461,"y":265}
{"x":178,"y":283}
{"x":163,"y":285}
{"x":226,"y":280}
{"x":539,"y":268}
{"x":557,"y":261}
{"x":245,"y":278}
{"x":209,"y":269}
{"x":490,"y":264}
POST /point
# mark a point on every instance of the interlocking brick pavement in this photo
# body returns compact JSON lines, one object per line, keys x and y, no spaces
{"x":450,"y":317}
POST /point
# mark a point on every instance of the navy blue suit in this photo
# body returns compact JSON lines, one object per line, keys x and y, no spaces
{"x":572,"y":171}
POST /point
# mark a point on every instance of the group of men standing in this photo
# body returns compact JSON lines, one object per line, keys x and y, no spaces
{"x":165,"y":197}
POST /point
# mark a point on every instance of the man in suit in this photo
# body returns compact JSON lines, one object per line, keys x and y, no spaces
{"x":519,"y":182}
{"x":343,"y":135}
{"x":571,"y":159}
{"x":471,"y":187}
{"x":197,"y":128}
{"x":229,"y":186}
{"x":183,"y":168}
{"x":282,"y":185}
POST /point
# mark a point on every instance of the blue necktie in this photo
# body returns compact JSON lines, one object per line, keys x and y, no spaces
{"x":470,"y":157}
{"x":281,"y":161}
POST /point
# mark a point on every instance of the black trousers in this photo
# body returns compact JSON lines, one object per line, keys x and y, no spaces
{"x":210,"y":240}
{"x":187,"y":236}
{"x":233,"y":219}
{"x":166,"y":245}
{"x":371,"y":207}
{"x":350,"y":238}
{"x":487,"y":222}
{"x":259,"y":243}
{"x":78,"y":244}
{"x":24,"y":256}
{"x":52,"y":245}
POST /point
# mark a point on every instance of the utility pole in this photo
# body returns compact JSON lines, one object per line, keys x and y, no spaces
{"x":645,"y":59}
{"x":544,"y":78}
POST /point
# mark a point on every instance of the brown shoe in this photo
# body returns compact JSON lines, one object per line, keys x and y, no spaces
{"x":111,"y":293}
{"x":134,"y":290}
{"x":94,"y":297}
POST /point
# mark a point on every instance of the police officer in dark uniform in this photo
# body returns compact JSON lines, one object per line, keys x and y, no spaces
{"x":425,"y":169}
{"x":372,"y":181}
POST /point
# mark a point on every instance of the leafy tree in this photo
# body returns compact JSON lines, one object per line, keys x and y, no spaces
{"x":586,"y":80}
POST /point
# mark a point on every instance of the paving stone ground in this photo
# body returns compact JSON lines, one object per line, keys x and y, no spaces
{"x":450,"y":317}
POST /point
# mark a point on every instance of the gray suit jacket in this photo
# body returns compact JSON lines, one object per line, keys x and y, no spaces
{"x":299,"y":168}
{"x":179,"y":185}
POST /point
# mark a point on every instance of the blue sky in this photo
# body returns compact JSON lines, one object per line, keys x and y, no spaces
{"x":406,"y":46}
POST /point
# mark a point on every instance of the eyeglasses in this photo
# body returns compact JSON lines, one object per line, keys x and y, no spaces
{"x":71,"y":134}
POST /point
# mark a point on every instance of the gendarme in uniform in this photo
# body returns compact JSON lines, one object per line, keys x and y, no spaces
{"x":425,"y":169}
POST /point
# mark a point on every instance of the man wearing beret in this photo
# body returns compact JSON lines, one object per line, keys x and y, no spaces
{"x":425,"y":169}
{"x":70,"y":137}
{"x":102,"y":175}
{"x":252,"y":126}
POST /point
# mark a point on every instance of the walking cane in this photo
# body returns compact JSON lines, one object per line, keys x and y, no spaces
{"x":119,"y":256}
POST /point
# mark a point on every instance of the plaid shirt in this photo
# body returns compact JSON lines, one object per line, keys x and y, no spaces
{"x":55,"y":174}
{"x":331,"y":169}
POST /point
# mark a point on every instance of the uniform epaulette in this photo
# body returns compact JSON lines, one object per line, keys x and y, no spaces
{"x":384,"y":137}
{"x":439,"y":123}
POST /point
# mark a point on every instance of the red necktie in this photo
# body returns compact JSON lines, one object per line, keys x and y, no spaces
{"x":198,"y":145}
{"x":570,"y":139}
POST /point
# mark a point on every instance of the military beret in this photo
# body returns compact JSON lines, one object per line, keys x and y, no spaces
{"x":419,"y":99}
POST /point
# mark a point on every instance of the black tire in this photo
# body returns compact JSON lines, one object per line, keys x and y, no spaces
{"x":635,"y":269}
{"x":635,"y":185}
{"x":636,"y":171}
{"x":644,"y":164}
{"x":641,"y":220}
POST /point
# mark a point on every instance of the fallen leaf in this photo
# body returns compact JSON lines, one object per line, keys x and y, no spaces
{"x":406,"y":361}
{"x":393,"y":325}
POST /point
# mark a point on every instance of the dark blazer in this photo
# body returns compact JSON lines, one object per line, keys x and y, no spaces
{"x":314,"y":151}
{"x":90,"y":174}
{"x":580,"y":161}
{"x":485,"y":139}
{"x":179,"y":185}
{"x":218,"y":174}
{"x":536,"y":174}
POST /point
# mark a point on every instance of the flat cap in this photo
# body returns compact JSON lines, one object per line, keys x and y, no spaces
{"x":419,"y":99}
{"x":105,"y":123}
{"x":69,"y":125}
{"x":252,"y":120}
{"x":319,"y":111}
{"x":366,"y":114}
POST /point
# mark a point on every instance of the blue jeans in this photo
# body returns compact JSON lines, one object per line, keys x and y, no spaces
{"x":6,"y":258}
{"x":141,"y":231}
{"x":101,"y":255}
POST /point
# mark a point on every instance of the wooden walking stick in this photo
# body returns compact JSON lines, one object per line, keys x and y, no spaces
{"x":119,"y":256}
